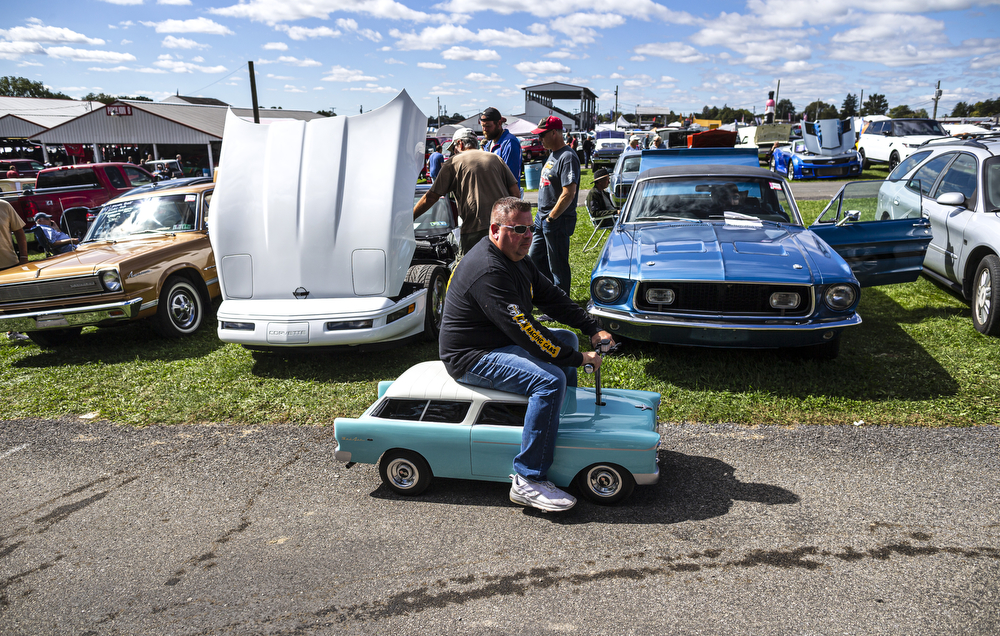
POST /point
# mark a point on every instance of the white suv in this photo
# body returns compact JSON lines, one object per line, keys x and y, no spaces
{"x":956,"y":185}
{"x":892,"y":140}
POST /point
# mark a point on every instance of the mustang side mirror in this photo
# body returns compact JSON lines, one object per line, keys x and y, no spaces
{"x":951,"y":198}
{"x":851,"y":215}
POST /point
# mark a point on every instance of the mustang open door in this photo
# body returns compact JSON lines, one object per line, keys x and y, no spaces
{"x":880,"y":250}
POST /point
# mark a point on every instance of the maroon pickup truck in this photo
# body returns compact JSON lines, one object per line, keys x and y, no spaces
{"x":87,"y":185}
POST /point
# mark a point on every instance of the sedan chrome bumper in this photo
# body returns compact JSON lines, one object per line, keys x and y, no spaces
{"x":70,"y":317}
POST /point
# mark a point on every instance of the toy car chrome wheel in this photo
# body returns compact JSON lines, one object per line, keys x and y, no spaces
{"x":605,"y":484}
{"x":180,"y":309}
{"x":405,"y":472}
{"x":985,"y":293}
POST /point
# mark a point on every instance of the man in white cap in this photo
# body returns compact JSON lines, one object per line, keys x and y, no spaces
{"x":478,"y":179}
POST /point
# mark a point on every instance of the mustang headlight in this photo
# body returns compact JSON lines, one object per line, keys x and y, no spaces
{"x":606,"y":290}
{"x":111,"y":280}
{"x":840,"y":297}
{"x":660,"y":296}
{"x":785,"y":300}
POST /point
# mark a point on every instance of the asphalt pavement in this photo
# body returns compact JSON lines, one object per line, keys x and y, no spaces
{"x":107,"y":529}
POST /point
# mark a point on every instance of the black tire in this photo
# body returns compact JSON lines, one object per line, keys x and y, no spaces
{"x":893,"y":160}
{"x":53,"y":338}
{"x":885,"y":217}
{"x":180,"y":310}
{"x":605,"y":484}
{"x":864,"y":160}
{"x":404,"y":472}
{"x":985,"y":294}
{"x":772,"y":165}
{"x":434,"y":279}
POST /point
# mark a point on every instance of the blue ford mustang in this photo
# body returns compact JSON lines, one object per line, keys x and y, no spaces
{"x":718,"y":256}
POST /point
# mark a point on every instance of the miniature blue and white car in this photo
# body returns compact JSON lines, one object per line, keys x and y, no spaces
{"x":426,"y":424}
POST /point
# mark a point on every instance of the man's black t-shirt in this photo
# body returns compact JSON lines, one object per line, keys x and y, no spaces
{"x":489,"y":304}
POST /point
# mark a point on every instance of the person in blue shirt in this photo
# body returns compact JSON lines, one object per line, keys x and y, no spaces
{"x":500,"y":141}
{"x":60,"y":241}
{"x":434,"y":162}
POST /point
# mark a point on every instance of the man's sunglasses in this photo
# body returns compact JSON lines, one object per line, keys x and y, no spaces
{"x":519,"y":229}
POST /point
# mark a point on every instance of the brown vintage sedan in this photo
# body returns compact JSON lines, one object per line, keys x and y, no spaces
{"x":147,"y":255}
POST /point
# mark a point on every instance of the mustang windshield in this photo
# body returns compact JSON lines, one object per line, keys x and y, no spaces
{"x":710,"y":198}
{"x":156,"y":214}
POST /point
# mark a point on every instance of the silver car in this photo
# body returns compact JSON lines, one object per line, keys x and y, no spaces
{"x":956,"y":184}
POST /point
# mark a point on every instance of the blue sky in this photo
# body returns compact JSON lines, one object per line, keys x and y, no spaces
{"x":470,"y":54}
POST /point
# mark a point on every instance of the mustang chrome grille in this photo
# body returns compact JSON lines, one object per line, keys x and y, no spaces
{"x":43,"y":290}
{"x":743,"y":299}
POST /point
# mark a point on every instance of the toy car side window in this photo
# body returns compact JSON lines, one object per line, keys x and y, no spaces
{"x":502,"y":414}
{"x":446,"y":411}
{"x":398,"y":409}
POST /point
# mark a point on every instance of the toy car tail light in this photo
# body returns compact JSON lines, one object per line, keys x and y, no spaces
{"x":660,"y":296}
{"x":785,"y":300}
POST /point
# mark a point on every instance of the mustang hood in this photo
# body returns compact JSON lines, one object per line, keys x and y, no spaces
{"x":319,"y":209}
{"x":730,"y":251}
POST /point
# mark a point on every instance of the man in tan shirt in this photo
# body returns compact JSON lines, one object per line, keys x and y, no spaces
{"x":478,"y":179}
{"x":11,"y":223}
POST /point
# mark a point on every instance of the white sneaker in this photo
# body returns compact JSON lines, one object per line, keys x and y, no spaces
{"x":539,"y":494}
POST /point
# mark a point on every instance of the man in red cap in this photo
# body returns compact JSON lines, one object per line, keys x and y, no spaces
{"x":556,"y":218}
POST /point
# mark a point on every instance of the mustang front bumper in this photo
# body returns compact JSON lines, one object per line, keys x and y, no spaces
{"x":71,"y":317}
{"x":716,"y":331}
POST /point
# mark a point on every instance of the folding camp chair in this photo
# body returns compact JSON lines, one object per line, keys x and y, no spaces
{"x":603,"y":222}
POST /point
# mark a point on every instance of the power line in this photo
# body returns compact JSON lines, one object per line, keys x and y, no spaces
{"x":235,"y":70}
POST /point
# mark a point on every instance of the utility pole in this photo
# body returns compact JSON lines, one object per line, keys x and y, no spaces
{"x":937,"y":96}
{"x":439,"y":112}
{"x":616,"y":108}
{"x":253,"y":94}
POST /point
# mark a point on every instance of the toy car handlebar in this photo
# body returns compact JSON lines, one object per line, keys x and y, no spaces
{"x":603,"y":348}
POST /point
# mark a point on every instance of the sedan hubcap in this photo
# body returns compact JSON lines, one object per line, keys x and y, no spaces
{"x":182,"y":309}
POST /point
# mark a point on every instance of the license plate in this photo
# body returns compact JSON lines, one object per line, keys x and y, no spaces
{"x":43,"y":322}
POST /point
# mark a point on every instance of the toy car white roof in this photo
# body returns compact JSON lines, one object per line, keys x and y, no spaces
{"x":430,"y":380}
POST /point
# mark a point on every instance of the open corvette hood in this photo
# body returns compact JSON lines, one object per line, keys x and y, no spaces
{"x":730,"y":251}
{"x":318,"y":209}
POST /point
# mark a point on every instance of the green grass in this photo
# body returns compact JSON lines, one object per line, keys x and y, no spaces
{"x":916,"y":360}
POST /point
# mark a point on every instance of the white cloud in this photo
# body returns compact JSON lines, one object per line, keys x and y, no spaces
{"x":170,"y":42}
{"x":195,"y":25}
{"x":293,"y":89}
{"x":14,"y":50}
{"x":38,"y":32}
{"x":372,"y":88}
{"x":123,"y":2}
{"x":352,"y":27}
{"x":481,"y":77}
{"x":179,"y":3}
{"x":641,"y":9}
{"x":294,"y":61}
{"x":579,"y":27}
{"x":84,"y":55}
{"x":444,"y":90}
{"x":343,"y":74}
{"x":393,"y":60}
{"x":673,"y":51}
{"x":303,"y":33}
{"x":463,"y":53}
{"x":535,"y":68}
{"x":438,"y":37}
{"x":169,"y":63}
{"x":279,"y":77}
{"x":431,"y":65}
{"x":275,"y":46}
{"x":277,"y":11}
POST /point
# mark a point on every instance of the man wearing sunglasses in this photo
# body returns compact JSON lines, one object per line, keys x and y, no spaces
{"x":490,"y":339}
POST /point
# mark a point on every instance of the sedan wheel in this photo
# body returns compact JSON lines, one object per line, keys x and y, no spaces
{"x":985,"y":294}
{"x":180,"y":309}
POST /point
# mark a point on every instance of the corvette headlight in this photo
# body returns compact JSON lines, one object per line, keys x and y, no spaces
{"x":606,"y":290}
{"x":111,"y":280}
{"x":840,"y":297}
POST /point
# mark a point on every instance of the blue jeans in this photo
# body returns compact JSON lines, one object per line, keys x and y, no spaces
{"x":514,"y":370}
{"x":550,"y":247}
